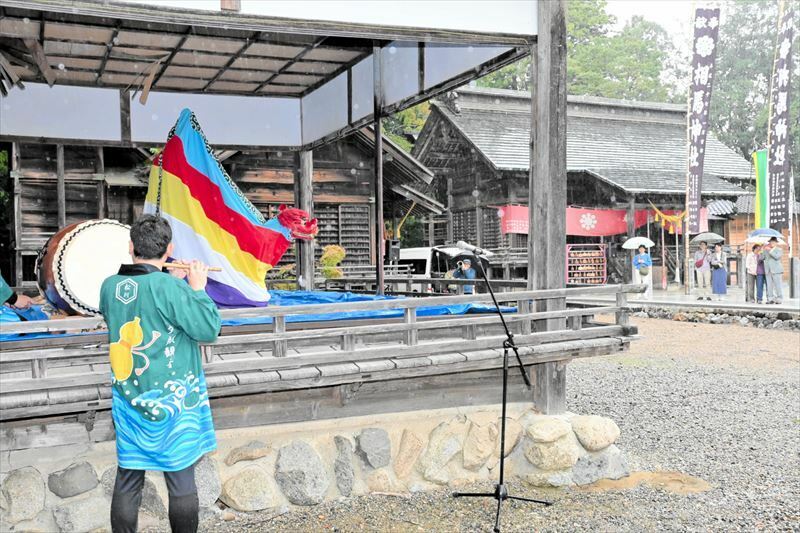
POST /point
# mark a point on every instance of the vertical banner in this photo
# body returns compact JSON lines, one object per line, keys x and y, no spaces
{"x":762,"y":187}
{"x":779,"y":158}
{"x":706,"y":31}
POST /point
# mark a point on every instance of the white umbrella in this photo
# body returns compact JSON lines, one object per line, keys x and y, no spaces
{"x":635,"y":242}
{"x":763,"y":239}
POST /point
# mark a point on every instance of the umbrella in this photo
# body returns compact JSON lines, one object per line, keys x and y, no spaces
{"x":763,"y":239}
{"x":635,"y":242}
{"x":765,"y":232}
{"x":708,"y":237}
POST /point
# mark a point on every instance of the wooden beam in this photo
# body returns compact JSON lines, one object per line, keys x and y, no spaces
{"x":548,"y":187}
{"x":109,"y":46}
{"x":125,"y":116}
{"x":289,"y":63}
{"x":36,"y":50}
{"x":172,"y":55}
{"x":248,"y":42}
{"x":377,"y":81}
{"x":304,"y":199}
{"x":61,"y":191}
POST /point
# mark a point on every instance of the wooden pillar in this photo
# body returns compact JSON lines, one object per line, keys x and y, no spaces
{"x":60,"y":187}
{"x":304,"y":199}
{"x":100,"y":170}
{"x":15,"y":167}
{"x":548,"y":189}
{"x":377,"y":79}
{"x":450,"y":238}
{"x":431,"y":231}
{"x":631,"y":220}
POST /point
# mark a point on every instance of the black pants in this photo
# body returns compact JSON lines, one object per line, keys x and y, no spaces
{"x":183,"y":502}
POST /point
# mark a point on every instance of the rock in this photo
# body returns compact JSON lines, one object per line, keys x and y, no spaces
{"x":343,"y":465}
{"x":152,"y":503}
{"x":374,"y":447}
{"x":300,"y":474}
{"x":479,"y":445}
{"x":22,"y":495}
{"x":558,"y":455}
{"x":595,"y":432}
{"x":249,"y":452}
{"x":43,"y":523}
{"x":411,"y":446}
{"x":679,"y":317}
{"x":379,"y":481}
{"x":607,"y":464}
{"x":82,"y":514}
{"x":513,"y":435}
{"x":560,"y":478}
{"x":445,"y":441}
{"x":209,"y":486}
{"x":547,"y":429}
{"x":73,"y":480}
{"x":249,"y":490}
{"x":228,"y":516}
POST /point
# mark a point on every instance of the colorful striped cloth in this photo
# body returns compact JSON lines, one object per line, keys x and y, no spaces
{"x":211,"y":219}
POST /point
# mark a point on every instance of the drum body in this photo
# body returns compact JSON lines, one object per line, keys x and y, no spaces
{"x":73,"y":264}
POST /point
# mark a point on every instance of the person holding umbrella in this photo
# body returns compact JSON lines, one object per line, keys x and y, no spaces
{"x":642,"y":265}
{"x":719,"y":274}
{"x":702,"y":266}
{"x":773,"y":271}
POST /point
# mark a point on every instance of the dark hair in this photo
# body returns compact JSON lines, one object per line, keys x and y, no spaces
{"x":773,"y":239}
{"x":642,"y":246}
{"x":756,"y":246}
{"x":704,"y":242}
{"x":717,"y":244}
{"x":150,"y":236}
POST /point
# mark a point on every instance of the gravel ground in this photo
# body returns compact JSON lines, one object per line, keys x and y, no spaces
{"x":717,"y":402}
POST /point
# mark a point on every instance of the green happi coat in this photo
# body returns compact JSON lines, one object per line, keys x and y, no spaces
{"x":159,"y":398}
{"x":5,"y":291}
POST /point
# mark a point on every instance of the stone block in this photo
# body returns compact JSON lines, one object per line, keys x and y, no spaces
{"x":543,"y":478}
{"x":249,"y":490}
{"x":411,"y":446}
{"x":22,"y":495}
{"x":444,"y":443}
{"x":374,"y":447}
{"x":206,"y":477}
{"x":607,"y":464}
{"x":249,"y":452}
{"x":481,"y":441}
{"x":300,"y":474}
{"x":547,"y":429}
{"x":343,"y":465}
{"x":78,"y":515}
{"x":76,"y":479}
{"x":379,"y":481}
{"x":558,"y":455}
{"x":595,"y":432}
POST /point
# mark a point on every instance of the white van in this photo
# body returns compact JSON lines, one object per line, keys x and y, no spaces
{"x":430,"y":262}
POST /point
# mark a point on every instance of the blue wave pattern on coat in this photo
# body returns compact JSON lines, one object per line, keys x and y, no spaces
{"x":165,"y":429}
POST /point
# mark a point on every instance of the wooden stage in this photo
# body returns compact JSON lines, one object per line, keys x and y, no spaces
{"x":320,"y":370}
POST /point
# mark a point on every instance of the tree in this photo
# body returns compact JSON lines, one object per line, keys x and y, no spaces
{"x":633,"y":64}
{"x":739,"y":104}
{"x":407,"y":121}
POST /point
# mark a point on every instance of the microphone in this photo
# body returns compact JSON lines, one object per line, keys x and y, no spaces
{"x":474,"y":249}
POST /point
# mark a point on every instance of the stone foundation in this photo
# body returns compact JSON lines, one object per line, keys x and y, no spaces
{"x":304,"y":464}
{"x":741,"y":317}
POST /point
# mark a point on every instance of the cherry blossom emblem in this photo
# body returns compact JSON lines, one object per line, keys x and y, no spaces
{"x":588,"y":221}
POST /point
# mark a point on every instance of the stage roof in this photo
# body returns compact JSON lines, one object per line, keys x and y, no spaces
{"x":292,"y":81}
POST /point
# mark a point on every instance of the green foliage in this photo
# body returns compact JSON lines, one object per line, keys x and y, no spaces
{"x":740,"y":103}
{"x":408,"y":120}
{"x":412,"y":232}
{"x":634,"y":64}
{"x":284,"y":272}
{"x":332,"y":255}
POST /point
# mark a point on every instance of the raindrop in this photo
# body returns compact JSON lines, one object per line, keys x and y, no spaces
{"x":470,"y":49}
{"x":361,"y":164}
{"x":392,"y":49}
{"x":278,"y":154}
{"x":497,"y":101}
{"x":475,"y":193}
{"x":26,"y":20}
{"x":353,"y":171}
{"x":355,"y":107}
{"x":115,"y":40}
{"x":154,"y":116}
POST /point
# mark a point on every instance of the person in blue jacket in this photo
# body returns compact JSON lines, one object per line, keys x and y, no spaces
{"x":643,"y":271}
{"x":465,"y":271}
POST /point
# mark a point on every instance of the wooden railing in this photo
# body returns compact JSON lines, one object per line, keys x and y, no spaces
{"x":48,"y":378}
{"x":422,"y":286}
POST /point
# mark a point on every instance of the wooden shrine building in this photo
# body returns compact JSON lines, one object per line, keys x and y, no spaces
{"x":111,"y":182}
{"x":620,"y":155}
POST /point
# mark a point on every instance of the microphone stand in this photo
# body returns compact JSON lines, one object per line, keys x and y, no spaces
{"x":500,"y":490}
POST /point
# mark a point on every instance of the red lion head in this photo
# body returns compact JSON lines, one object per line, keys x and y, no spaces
{"x":297,"y":222}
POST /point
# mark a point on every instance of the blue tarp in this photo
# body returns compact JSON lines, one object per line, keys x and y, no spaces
{"x":282,"y":298}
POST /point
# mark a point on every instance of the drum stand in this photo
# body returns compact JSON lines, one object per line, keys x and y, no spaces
{"x":500,"y":490}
